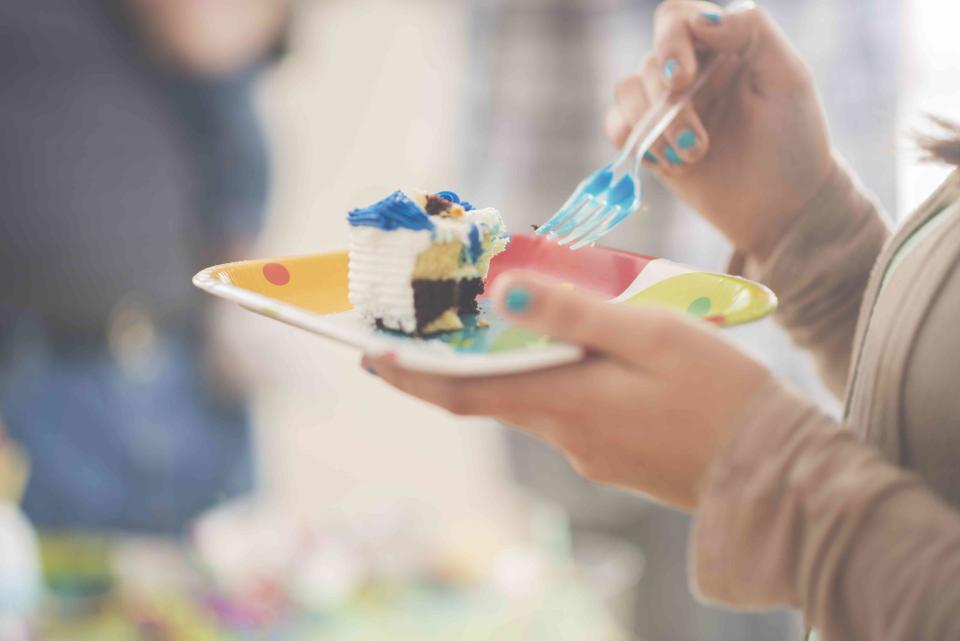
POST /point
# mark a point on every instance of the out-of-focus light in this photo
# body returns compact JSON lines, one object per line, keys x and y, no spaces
{"x":930,"y":84}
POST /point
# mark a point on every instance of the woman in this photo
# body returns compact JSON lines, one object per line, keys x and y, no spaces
{"x":857,"y":528}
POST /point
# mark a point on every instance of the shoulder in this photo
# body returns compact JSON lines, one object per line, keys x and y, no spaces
{"x":931,"y":386}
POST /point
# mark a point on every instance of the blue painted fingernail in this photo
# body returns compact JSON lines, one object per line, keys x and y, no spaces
{"x":518,"y":299}
{"x":687,"y":139}
{"x":649,"y":157}
{"x":671,"y":154}
{"x":371,"y":370}
{"x":714,"y":18}
{"x":670,"y":68}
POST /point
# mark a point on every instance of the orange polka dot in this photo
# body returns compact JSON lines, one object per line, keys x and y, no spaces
{"x":276,"y":274}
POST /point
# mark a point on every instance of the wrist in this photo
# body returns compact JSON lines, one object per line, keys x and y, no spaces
{"x":826,"y":191}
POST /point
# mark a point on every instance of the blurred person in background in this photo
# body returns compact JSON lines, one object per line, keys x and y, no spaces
{"x":540,"y":80}
{"x":131,"y":157}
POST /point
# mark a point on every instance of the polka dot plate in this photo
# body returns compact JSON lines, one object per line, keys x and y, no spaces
{"x":310,"y":292}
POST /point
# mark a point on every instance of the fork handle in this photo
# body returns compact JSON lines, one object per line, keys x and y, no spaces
{"x":655,"y":122}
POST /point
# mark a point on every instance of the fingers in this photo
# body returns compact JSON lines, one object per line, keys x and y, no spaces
{"x":561,"y":312}
{"x":737,"y":33}
{"x":635,"y":335}
{"x":685,"y":142}
{"x":743,"y":30}
{"x":632,"y":100}
{"x":753,"y":36}
{"x":616,"y":127}
{"x":673,"y":44}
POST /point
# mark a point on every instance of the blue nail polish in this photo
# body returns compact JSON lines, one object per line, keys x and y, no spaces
{"x":518,"y":300}
{"x":714,"y":18}
{"x":687,"y":139}
{"x":649,"y":157}
{"x":670,"y":68}
{"x":671,"y":154}
{"x":371,"y":370}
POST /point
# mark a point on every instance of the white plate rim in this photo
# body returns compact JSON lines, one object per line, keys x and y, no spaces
{"x":413,"y":355}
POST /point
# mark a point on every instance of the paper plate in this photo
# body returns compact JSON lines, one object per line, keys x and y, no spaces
{"x":310,"y":292}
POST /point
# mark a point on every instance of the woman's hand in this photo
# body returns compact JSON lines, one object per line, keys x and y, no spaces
{"x":754,"y":148}
{"x":649,"y":409}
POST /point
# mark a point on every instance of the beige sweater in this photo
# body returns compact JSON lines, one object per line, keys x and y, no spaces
{"x":856,"y":525}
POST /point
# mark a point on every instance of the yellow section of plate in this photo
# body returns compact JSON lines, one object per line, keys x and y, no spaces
{"x":721,"y":299}
{"x":316,"y":283}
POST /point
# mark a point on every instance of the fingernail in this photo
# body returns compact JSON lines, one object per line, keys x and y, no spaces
{"x":670,"y":68}
{"x":371,"y":370}
{"x":714,"y":18}
{"x":518,"y":299}
{"x":671,"y":154}
{"x":687,"y":139}
{"x":649,"y":157}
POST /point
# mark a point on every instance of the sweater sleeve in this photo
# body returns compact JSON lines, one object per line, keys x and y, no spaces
{"x":798,"y":513}
{"x":820,"y":269}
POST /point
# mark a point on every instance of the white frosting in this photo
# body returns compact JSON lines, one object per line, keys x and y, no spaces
{"x":488,"y":218}
{"x":381,"y":269}
{"x":448,"y":229}
{"x":491,"y":224}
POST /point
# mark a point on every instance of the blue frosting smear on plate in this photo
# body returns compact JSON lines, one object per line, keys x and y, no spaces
{"x":396,"y":211}
{"x":499,"y":334}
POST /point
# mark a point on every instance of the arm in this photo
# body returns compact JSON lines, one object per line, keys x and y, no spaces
{"x":820,"y":269}
{"x":753,"y":156}
{"x":797,"y":512}
{"x":791,"y":509}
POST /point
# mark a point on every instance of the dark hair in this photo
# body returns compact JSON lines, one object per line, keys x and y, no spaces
{"x":943,"y":145}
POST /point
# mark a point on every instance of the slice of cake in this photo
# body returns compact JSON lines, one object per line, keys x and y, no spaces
{"x":417,"y":264}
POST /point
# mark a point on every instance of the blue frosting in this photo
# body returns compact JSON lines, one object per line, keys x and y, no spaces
{"x":396,"y":211}
{"x":454,"y":197}
{"x":476,"y":246}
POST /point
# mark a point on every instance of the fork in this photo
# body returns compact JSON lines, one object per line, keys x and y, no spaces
{"x":609,"y":196}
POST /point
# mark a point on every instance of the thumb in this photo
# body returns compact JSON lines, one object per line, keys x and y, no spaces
{"x":625,"y":332}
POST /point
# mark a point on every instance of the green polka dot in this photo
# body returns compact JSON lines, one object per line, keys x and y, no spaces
{"x":700,"y":307}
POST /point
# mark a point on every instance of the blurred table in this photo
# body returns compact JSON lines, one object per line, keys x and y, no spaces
{"x":245,"y":582}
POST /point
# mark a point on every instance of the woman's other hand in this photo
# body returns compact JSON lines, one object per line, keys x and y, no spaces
{"x":649,"y":408}
{"x":753,"y":149}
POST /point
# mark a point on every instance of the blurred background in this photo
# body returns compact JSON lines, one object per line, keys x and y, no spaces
{"x":178,"y":469}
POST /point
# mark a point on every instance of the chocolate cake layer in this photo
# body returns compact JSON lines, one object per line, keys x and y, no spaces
{"x":467,"y":294}
{"x":431,"y":298}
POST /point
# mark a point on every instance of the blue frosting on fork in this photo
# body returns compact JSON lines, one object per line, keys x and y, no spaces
{"x":396,"y":211}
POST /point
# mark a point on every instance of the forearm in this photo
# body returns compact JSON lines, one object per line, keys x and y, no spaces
{"x":798,"y":513}
{"x":820,"y":269}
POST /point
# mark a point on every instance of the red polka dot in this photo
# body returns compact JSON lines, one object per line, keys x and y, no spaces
{"x":276,"y":274}
{"x":717,"y":320}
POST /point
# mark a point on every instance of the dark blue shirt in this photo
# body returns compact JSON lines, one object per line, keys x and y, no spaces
{"x":117,"y":181}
